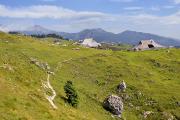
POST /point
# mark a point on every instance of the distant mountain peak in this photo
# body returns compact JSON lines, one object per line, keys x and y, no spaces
{"x":95,"y":30}
{"x":99,"y":29}
{"x":37,"y":28}
{"x":129,"y":31}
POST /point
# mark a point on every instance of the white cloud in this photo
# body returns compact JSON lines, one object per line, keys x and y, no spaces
{"x":48,"y":11}
{"x":134,"y":8}
{"x":70,"y":20}
{"x":177,"y":1}
{"x":126,"y":1}
{"x":169,"y":7}
{"x":147,"y":19}
{"x":155,"y":8}
{"x":54,"y":12}
{"x":48,"y":0}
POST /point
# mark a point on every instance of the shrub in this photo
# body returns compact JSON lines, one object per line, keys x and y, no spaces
{"x":71,"y":94}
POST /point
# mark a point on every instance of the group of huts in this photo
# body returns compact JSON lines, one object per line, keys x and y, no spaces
{"x":143,"y":44}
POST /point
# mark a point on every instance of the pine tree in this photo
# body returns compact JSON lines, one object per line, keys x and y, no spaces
{"x":71,"y":94}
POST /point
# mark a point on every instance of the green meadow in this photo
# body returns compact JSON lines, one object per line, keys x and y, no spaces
{"x":152,"y":78}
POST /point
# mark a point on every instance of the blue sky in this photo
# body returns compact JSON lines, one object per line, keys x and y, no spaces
{"x":153,"y":16}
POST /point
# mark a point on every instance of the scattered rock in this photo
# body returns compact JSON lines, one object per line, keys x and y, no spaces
{"x":112,"y":116}
{"x":75,"y":43}
{"x":57,"y":43}
{"x":147,"y":113}
{"x":42,"y":65}
{"x":66,"y":61}
{"x":139,"y":93}
{"x":131,"y":105}
{"x":178,"y":103}
{"x":7,"y":67}
{"x":150,"y":103}
{"x":114,"y":104}
{"x":50,"y":72}
{"x":46,"y":66}
{"x":33,"y":60}
{"x":168,"y":116}
{"x":75,"y":48}
{"x":64,"y":45}
{"x":121,"y":86}
{"x":137,"y":108}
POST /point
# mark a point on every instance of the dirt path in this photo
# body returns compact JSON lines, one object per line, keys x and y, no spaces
{"x":50,"y":98}
{"x":46,"y":84}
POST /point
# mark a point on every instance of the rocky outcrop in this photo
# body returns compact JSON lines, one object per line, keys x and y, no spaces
{"x":42,"y":65}
{"x":147,"y":113}
{"x":114,"y":104}
{"x":7,"y":67}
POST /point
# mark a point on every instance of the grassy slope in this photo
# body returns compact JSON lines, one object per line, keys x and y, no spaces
{"x":95,"y":73}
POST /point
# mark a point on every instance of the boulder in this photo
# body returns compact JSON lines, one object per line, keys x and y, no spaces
{"x":33,"y":60}
{"x":147,"y":113}
{"x":50,"y":72}
{"x":46,"y":66}
{"x":167,"y":116}
{"x":178,"y":103}
{"x":121,"y":86}
{"x":114,"y":104}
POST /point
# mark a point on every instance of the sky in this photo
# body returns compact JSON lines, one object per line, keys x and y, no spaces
{"x":160,"y":17}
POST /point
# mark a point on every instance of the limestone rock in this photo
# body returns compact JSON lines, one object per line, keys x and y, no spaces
{"x":178,"y":103}
{"x":147,"y":113}
{"x":42,"y":65}
{"x":167,"y":116}
{"x":114,"y":104}
{"x":7,"y":67}
{"x":75,"y":48}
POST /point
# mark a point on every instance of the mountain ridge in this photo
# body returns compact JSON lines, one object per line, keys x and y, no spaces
{"x":100,"y":35}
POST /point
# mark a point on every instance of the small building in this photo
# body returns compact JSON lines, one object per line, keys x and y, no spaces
{"x":89,"y":42}
{"x":147,"y":44}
